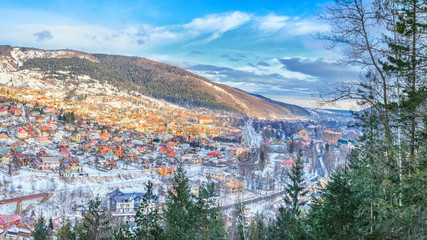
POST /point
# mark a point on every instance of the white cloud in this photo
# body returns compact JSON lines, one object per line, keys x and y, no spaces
{"x":287,"y":26}
{"x":272,"y":22}
{"x":217,"y":23}
{"x":131,"y":39}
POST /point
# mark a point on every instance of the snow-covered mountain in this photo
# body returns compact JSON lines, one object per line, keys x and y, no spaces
{"x":67,"y":70}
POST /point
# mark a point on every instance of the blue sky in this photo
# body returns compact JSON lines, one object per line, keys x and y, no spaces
{"x":264,"y":47}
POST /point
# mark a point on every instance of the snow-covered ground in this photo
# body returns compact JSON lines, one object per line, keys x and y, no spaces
{"x":252,"y":139}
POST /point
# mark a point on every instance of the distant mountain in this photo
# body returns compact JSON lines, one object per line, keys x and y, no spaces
{"x":294,"y":108}
{"x":144,"y":76}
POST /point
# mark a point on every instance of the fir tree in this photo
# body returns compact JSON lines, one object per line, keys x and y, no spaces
{"x":182,"y":221}
{"x":41,"y":231}
{"x":213,"y":226}
{"x":257,"y":229}
{"x":333,"y":213}
{"x":239,"y":227}
{"x":66,"y":232}
{"x":147,"y":217}
{"x":123,"y":233}
{"x":95,"y":224}
{"x":288,"y":223}
{"x":295,"y":189}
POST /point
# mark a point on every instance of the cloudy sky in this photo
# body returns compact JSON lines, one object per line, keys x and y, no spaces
{"x":264,"y":47}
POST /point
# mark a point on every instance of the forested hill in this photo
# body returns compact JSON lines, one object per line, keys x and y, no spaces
{"x":150,"y":78}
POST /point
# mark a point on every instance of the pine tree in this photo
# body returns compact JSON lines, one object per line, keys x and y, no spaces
{"x":239,"y":228}
{"x":213,"y":226}
{"x":181,"y":218}
{"x":41,"y":231}
{"x":95,"y":224}
{"x":147,"y":217}
{"x":257,"y":229}
{"x":295,"y":189}
{"x":333,"y":212}
{"x":66,"y":232}
{"x":288,"y":223}
{"x":123,"y":233}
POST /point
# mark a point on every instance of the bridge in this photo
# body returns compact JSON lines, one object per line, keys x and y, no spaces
{"x":19,"y":200}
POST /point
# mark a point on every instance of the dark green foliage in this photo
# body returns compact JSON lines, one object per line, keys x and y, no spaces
{"x":95,"y":224}
{"x":192,"y":217}
{"x":182,"y":220}
{"x":286,"y":226}
{"x":295,"y":189}
{"x":258,"y":230}
{"x":50,"y":224}
{"x":66,"y":232}
{"x":210,"y":214}
{"x":41,"y":231}
{"x":289,"y":222}
{"x":239,"y":228}
{"x":147,"y":218}
{"x":123,"y":233}
{"x":333,"y":213}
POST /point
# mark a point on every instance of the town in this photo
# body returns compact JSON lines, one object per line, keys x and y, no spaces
{"x":58,"y":154}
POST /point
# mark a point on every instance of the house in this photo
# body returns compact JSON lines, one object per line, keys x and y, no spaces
{"x":48,"y":163}
{"x":213,"y":154}
{"x":22,"y":133}
{"x":119,"y":202}
{"x":4,"y":155}
{"x":3,"y":112}
{"x":220,"y":176}
{"x":331,"y":137}
{"x":15,"y":232}
{"x":205,"y":120}
{"x":16,"y":151}
{"x":165,"y":170}
{"x":235,"y":187}
{"x":40,"y":119}
{"x":23,"y":159}
{"x":71,"y":165}
{"x":4,"y":134}
{"x":9,"y":220}
{"x":118,"y":139}
{"x":16,"y":111}
{"x":64,"y":153}
{"x":104,"y":136}
{"x":75,"y":137}
{"x":44,"y":136}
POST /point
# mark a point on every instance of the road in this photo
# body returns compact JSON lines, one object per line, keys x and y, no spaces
{"x":258,"y":199}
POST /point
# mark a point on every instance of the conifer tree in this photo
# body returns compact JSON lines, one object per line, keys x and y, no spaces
{"x":41,"y":230}
{"x":295,"y":189}
{"x":181,"y":218}
{"x":123,"y":233}
{"x":66,"y":232}
{"x":213,"y":226}
{"x":239,"y":228}
{"x":257,"y":229}
{"x":333,"y":212}
{"x":147,"y":217}
{"x":95,"y":224}
{"x":288,"y":223}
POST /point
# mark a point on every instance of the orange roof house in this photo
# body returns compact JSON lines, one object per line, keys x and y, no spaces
{"x":205,"y":120}
{"x":165,"y":170}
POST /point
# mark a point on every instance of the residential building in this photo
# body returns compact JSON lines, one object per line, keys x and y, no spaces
{"x":235,"y":187}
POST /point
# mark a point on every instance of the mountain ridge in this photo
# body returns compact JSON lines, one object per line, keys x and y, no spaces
{"x":148,"y":77}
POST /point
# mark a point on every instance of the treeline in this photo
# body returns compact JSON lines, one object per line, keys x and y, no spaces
{"x":186,"y":216}
{"x":135,"y":74}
